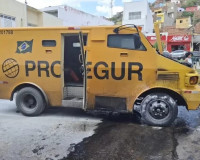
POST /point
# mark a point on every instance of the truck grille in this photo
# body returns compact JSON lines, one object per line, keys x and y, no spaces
{"x":168,"y":76}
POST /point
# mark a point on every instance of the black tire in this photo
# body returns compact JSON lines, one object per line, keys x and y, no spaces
{"x":30,"y":101}
{"x":159,"y":109}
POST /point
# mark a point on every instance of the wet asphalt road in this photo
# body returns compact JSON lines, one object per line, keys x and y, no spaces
{"x":122,"y":138}
{"x":58,"y":134}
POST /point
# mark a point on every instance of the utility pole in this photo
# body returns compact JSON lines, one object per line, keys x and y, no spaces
{"x":111,"y":8}
{"x":26,"y":10}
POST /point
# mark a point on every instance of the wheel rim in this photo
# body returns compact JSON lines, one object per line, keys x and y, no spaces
{"x":29,"y":101}
{"x":158,"y":109}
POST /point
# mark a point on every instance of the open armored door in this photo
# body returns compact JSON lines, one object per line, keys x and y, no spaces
{"x":82,"y":59}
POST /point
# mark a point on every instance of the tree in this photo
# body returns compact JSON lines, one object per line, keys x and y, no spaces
{"x":156,"y":45}
{"x":191,"y":3}
{"x":187,"y":14}
{"x":117,"y":19}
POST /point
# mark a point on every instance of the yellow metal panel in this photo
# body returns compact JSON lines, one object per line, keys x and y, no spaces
{"x":35,"y":61}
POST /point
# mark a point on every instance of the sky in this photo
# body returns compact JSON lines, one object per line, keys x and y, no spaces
{"x":95,"y":7}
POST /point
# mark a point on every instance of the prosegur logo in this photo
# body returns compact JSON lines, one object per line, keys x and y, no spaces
{"x":10,"y":68}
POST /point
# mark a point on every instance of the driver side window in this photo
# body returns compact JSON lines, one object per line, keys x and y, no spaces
{"x":125,"y":41}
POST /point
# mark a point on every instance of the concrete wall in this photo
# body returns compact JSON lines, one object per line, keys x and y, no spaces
{"x":146,"y":20}
{"x":172,"y":9}
{"x":168,"y":21}
{"x":16,"y":10}
{"x":149,"y":21}
{"x":41,"y":19}
{"x":49,"y":20}
{"x":74,"y":17}
{"x":33,"y":16}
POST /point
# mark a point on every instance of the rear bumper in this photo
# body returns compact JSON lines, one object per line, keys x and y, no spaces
{"x":192,"y":97}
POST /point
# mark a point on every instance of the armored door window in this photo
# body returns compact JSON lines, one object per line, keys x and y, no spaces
{"x":125,"y":41}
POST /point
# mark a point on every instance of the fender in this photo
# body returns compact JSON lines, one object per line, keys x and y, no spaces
{"x":29,"y":84}
{"x":171,"y":92}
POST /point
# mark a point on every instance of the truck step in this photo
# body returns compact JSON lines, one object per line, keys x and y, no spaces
{"x":73,"y":91}
{"x":73,"y":102}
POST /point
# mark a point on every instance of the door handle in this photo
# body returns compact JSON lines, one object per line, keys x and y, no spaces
{"x":124,"y":54}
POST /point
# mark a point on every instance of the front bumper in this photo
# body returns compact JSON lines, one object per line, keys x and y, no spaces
{"x":192,"y":97}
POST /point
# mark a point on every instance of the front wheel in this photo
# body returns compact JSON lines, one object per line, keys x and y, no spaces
{"x":159,"y":109}
{"x":30,"y":101}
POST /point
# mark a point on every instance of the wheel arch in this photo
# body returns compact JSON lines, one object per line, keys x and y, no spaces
{"x":173,"y":94}
{"x":33,"y":85}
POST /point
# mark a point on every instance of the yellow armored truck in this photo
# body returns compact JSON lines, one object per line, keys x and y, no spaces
{"x":103,"y":68}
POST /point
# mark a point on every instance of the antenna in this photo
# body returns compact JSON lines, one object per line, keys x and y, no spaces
{"x":111,"y":8}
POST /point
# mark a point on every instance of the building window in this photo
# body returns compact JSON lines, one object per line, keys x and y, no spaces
{"x":125,"y":41}
{"x":181,"y":21}
{"x":159,"y":18}
{"x":7,"y":21}
{"x":134,"y":15}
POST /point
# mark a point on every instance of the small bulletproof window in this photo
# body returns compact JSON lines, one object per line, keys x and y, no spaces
{"x":125,"y":41}
{"x":48,"y":43}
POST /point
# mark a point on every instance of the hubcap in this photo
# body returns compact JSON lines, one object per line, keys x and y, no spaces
{"x":158,"y":109}
{"x":29,"y":101}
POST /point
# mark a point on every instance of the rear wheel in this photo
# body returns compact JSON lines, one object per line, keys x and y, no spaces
{"x":30,"y":102}
{"x":159,"y":109}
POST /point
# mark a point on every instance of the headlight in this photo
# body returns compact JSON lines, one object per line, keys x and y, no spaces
{"x":194,"y":80}
{"x":191,"y":79}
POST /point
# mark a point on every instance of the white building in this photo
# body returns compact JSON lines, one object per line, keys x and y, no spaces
{"x":12,"y":14}
{"x":138,"y":13}
{"x":16,"y":14}
{"x":74,"y":17}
